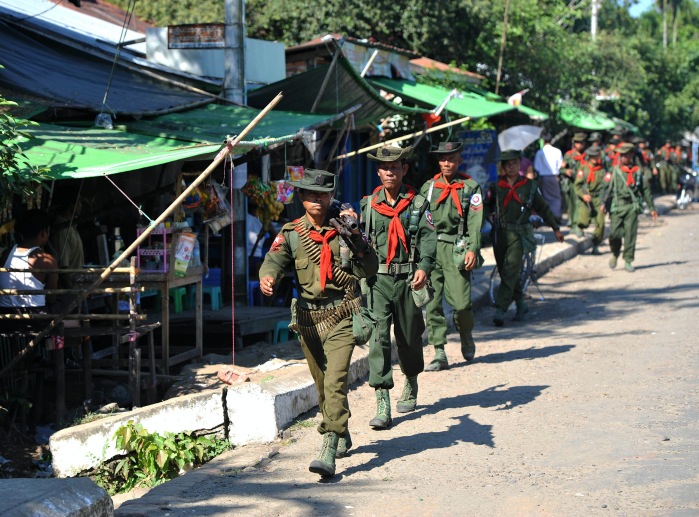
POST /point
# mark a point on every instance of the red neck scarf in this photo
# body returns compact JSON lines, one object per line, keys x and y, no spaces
{"x":396,"y":232}
{"x":326,"y":255}
{"x":591,"y":177}
{"x":579,"y":158}
{"x":511,"y":193}
{"x":630,"y":181}
{"x":450,"y":188}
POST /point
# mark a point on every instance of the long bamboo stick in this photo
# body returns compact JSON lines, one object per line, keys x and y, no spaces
{"x":228,"y":147}
{"x":404,"y":137}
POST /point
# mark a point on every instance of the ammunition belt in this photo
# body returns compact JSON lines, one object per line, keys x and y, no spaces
{"x":318,"y":323}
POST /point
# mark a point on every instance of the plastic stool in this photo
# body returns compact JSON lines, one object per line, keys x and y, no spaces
{"x":281,"y":331}
{"x":179,"y":296}
{"x":215,"y":296}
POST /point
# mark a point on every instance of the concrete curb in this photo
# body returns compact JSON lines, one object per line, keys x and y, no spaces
{"x":257,"y":413}
{"x":54,"y":498}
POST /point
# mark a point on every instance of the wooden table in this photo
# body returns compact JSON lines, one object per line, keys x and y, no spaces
{"x":162,"y":282}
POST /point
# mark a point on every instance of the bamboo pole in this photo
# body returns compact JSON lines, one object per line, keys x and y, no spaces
{"x":227,"y":149}
{"x":404,"y":137}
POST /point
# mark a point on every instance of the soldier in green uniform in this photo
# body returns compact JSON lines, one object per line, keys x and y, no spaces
{"x":572,"y":161}
{"x":456,"y":203}
{"x":589,"y":187}
{"x":623,"y":199}
{"x":398,"y":224}
{"x":328,"y":299}
{"x":665,"y":167}
{"x":510,"y":203}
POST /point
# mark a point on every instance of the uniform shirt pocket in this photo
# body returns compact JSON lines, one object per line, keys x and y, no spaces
{"x":304,"y":271}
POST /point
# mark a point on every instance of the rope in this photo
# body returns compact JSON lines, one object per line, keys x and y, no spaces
{"x":122,"y":37}
{"x":140,"y":212}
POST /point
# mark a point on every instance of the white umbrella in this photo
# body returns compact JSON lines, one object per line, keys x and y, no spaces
{"x":518,"y":137}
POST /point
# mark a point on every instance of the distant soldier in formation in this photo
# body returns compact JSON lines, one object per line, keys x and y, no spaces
{"x":456,"y":203}
{"x":623,"y":199}
{"x":329,"y":296}
{"x":589,"y":187}
{"x":573,"y":161}
{"x":510,"y":203}
{"x":665,"y":167}
{"x":398,"y":223}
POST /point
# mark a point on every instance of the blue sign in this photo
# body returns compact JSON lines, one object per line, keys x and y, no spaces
{"x":475,"y":149}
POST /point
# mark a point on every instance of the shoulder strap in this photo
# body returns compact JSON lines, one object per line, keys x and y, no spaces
{"x":367,"y":224}
{"x":465,"y":206}
{"x":429,"y":192}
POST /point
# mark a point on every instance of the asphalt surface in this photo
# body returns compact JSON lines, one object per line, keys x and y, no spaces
{"x":588,"y":407}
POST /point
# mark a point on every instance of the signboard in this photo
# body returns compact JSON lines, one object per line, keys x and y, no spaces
{"x":197,"y":35}
{"x":476,"y":147}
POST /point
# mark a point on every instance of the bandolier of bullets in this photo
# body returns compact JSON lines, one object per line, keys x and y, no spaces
{"x":317,"y":323}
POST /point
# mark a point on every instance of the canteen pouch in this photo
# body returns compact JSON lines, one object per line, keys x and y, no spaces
{"x":528,"y":240}
{"x":423,"y":296}
{"x":293,"y":324}
{"x":459,"y":254}
{"x":363,"y":323}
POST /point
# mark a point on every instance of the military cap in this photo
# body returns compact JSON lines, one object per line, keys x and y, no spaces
{"x":579,"y":137}
{"x":509,"y":154}
{"x":615,"y":139}
{"x":390,"y":154}
{"x":637,"y":140}
{"x":626,"y":147}
{"x":316,"y":180}
{"x":594,"y":137}
{"x":617,"y":131}
{"x":447,"y":147}
{"x":593,"y":151}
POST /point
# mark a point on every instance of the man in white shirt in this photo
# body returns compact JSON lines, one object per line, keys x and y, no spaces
{"x":547,"y":163}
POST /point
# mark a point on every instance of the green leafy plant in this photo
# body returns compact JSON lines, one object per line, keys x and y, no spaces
{"x":151,"y":458}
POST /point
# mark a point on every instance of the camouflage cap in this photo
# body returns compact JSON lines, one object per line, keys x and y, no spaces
{"x":316,"y":180}
{"x":447,"y":147}
{"x":509,"y":154}
{"x":593,"y":151}
{"x":618,"y":130}
{"x":595,"y":137}
{"x":390,"y":154}
{"x":579,"y":137}
{"x":626,"y":147}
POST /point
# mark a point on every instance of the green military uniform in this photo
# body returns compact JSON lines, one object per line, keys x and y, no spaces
{"x":390,"y":297}
{"x":666,"y":168}
{"x":623,"y":199}
{"x":514,"y":233}
{"x":449,"y":282}
{"x":572,"y":161}
{"x":591,"y":180}
{"x":323,"y":315}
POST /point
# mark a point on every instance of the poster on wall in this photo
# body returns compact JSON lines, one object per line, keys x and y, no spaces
{"x":474,"y":151}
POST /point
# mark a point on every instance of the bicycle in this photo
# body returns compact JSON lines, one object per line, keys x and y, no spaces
{"x":527,"y":275}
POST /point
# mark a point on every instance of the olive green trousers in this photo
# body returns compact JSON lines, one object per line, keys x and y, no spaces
{"x":391,"y":301}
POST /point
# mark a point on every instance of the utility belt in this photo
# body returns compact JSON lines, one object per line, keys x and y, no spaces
{"x":393,"y":269}
{"x":318,"y":319}
{"x":622,"y":201}
{"x":514,"y":227}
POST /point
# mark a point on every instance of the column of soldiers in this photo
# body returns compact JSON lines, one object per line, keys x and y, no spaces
{"x":412,"y":248}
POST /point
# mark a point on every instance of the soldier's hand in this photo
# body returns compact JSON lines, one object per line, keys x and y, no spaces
{"x":654,"y":215}
{"x":351,"y":213}
{"x":470,"y":260}
{"x":559,"y":235}
{"x":603,"y":209}
{"x":419,"y":279}
{"x":587,"y":198}
{"x":267,"y":285}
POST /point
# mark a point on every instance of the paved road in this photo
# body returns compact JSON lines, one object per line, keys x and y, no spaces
{"x":590,"y":407}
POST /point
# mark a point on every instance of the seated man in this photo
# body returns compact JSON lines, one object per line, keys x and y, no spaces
{"x":33,"y":232}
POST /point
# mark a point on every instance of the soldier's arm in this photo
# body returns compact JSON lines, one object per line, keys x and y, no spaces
{"x":647,"y":195}
{"x":475,"y":220}
{"x":279,"y":258}
{"x":427,"y":242}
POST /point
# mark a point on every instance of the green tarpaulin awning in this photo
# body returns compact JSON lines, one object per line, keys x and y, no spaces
{"x":532,"y":113}
{"x":83,"y":153}
{"x":585,"y":119}
{"x":212,"y":123}
{"x":71,"y":152}
{"x":344,"y":89}
{"x":469,"y":105}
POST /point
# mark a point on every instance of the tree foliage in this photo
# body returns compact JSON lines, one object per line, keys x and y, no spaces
{"x":549,"y":49}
